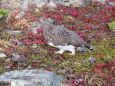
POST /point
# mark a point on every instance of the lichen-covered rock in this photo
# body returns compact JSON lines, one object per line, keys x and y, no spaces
{"x":17,"y":4}
{"x":79,"y":3}
{"x":32,"y":77}
{"x":102,"y":1}
{"x":23,"y":4}
{"x":2,"y":55}
{"x":13,"y":32}
{"x":109,"y":2}
{"x":10,"y":4}
{"x":4,"y":43}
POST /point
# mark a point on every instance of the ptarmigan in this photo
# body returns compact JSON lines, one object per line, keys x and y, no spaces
{"x":59,"y":37}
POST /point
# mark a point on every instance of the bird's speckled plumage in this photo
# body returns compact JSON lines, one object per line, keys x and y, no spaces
{"x":58,"y":35}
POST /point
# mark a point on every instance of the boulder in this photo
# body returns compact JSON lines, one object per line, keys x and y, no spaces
{"x":23,"y":4}
{"x":32,"y":77}
{"x":2,"y":55}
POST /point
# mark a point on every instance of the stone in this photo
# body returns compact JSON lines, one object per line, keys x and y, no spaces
{"x":18,"y":58}
{"x":101,"y":1}
{"x":111,"y":2}
{"x":1,"y":49}
{"x":20,"y":15}
{"x":51,"y":5}
{"x":35,"y":26}
{"x":5,"y":43}
{"x":2,"y":55}
{"x":23,"y":83}
{"x":65,"y":85}
{"x":79,"y":3}
{"x":23,"y":4}
{"x":92,"y":59}
{"x":32,"y":77}
{"x":12,"y":32}
{"x":16,"y":41}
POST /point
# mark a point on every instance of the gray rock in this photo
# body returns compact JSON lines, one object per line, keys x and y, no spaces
{"x":35,"y":26}
{"x":101,"y":1}
{"x":92,"y":60}
{"x":79,"y":3}
{"x":12,"y":32}
{"x":18,"y":42}
{"x":2,"y":55}
{"x":23,"y":4}
{"x":20,"y":15}
{"x":18,"y":58}
{"x":32,"y":77}
{"x":111,"y":3}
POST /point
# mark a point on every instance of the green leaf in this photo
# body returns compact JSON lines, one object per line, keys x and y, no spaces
{"x":112,"y":26}
{"x":107,"y":58}
{"x":0,"y":11}
{"x":1,"y":15}
{"x":5,"y":11}
{"x":113,"y":52}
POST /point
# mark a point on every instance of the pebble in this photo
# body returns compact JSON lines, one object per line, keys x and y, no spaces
{"x":2,"y":55}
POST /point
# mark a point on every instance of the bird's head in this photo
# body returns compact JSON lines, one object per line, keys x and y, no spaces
{"x":85,"y":48}
{"x":90,"y":47}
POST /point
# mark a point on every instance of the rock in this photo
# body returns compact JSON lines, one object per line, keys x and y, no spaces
{"x":18,"y":58}
{"x":65,"y":85}
{"x":111,"y":3}
{"x":101,"y":1}
{"x":38,"y":3}
{"x":1,"y":49}
{"x":23,"y":4}
{"x":16,"y":41}
{"x":33,"y":77}
{"x":79,"y":3}
{"x":2,"y":55}
{"x":51,"y":5}
{"x":91,"y":59}
{"x":9,"y":4}
{"x":5,"y":43}
{"x":13,"y":32}
{"x":35,"y":26}
{"x":22,"y":83}
{"x":20,"y":15}
{"x":108,"y":2}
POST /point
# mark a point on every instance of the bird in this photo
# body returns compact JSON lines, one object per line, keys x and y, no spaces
{"x":60,"y":37}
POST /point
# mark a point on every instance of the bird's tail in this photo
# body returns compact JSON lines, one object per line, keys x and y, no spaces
{"x":85,"y":47}
{"x":90,"y":47}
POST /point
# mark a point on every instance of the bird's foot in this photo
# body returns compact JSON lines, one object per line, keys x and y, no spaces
{"x":60,"y":52}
